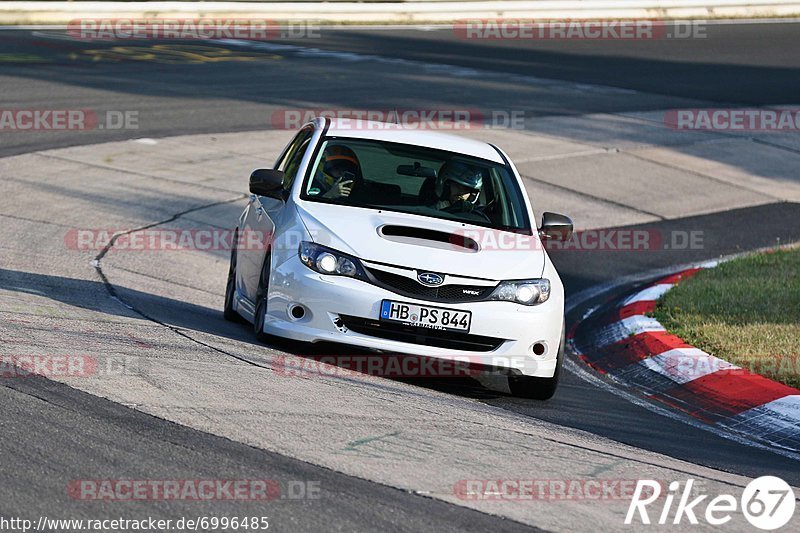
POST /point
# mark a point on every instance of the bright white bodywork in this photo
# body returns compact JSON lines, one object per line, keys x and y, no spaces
{"x":331,"y":301}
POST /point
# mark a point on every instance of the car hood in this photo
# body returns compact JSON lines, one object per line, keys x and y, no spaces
{"x":424,"y":243}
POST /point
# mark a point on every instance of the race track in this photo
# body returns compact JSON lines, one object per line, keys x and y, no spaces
{"x":200,"y":398}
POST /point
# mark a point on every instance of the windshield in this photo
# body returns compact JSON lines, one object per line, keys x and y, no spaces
{"x":418,"y":180}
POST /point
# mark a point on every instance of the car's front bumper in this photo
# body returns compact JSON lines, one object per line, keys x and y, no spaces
{"x":331,"y":303}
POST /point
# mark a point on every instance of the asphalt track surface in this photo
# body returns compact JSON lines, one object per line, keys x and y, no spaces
{"x":735,"y":64}
{"x":49,"y":428}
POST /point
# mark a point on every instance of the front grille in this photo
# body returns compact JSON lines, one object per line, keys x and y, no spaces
{"x":412,"y":288}
{"x":452,"y":340}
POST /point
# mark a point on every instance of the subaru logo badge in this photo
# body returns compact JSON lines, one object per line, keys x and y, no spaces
{"x":430,"y":279}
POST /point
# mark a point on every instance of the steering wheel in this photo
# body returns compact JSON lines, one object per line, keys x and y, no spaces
{"x":481,"y":213}
{"x":463,"y":206}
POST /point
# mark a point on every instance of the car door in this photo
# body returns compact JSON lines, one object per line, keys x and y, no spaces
{"x":258,"y":223}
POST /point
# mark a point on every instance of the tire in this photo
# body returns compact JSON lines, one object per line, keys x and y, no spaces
{"x":539,"y":388}
{"x":262,"y":293}
{"x":228,"y":312}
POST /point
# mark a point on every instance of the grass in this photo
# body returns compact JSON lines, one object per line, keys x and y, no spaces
{"x":745,"y":311}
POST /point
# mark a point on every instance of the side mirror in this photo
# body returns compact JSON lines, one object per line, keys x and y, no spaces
{"x":267,"y":182}
{"x":555,"y":226}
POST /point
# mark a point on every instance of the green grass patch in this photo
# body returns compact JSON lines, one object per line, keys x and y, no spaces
{"x":745,"y":311}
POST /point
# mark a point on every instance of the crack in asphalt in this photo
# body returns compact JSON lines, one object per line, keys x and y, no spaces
{"x":112,"y":291}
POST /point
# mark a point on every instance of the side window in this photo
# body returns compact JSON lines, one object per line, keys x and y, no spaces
{"x":294,"y":164}
{"x":294,"y":155}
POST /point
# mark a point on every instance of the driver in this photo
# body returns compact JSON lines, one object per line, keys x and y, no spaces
{"x":458,"y":187}
{"x":338,"y":171}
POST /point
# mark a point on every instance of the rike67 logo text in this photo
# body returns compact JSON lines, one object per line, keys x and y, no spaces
{"x":767,"y":503}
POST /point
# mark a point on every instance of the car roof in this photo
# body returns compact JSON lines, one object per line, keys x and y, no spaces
{"x":384,"y":131}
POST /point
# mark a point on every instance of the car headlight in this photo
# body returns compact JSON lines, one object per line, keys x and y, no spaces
{"x":523,"y":291}
{"x":328,"y":261}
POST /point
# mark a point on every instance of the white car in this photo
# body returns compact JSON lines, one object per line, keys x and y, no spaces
{"x":401,"y":241}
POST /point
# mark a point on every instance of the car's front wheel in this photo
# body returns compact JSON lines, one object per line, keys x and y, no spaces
{"x":539,"y":388}
{"x":262,"y":294}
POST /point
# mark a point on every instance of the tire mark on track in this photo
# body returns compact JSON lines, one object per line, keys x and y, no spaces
{"x":592,"y":197}
{"x":134,"y":173}
{"x":26,"y":219}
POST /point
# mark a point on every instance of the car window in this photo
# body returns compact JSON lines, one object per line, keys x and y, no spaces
{"x":414,"y":179}
{"x":291,"y":148}
{"x":294,"y":155}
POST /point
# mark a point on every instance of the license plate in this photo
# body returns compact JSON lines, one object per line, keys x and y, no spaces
{"x":425,"y":316}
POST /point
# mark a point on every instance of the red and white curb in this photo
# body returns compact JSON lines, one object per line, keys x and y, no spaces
{"x":620,"y":341}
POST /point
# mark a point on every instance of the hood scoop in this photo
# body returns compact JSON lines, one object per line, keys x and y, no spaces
{"x":428,"y":237}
